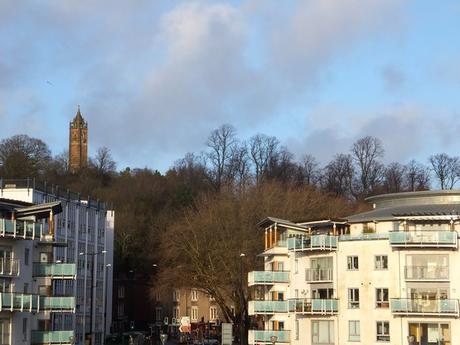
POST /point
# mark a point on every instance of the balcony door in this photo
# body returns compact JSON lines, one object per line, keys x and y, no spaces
{"x":429,"y":333}
{"x":4,"y":331}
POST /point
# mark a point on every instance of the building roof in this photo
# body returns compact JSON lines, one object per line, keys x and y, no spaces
{"x":78,"y":119}
{"x":398,"y":212}
{"x":272,"y":220}
{"x":40,"y":210}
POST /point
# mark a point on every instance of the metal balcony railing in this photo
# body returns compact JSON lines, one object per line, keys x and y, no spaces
{"x":9,"y":267}
{"x":423,"y":239}
{"x":52,"y":337}
{"x":426,"y":272}
{"x":421,"y":306}
{"x":56,"y":271}
{"x":314,"y":306}
{"x":265,"y":336}
{"x":57,"y":304}
{"x":267,"y":277}
{"x":318,"y":275}
{"x":311,"y":243}
{"x":13,"y":301}
{"x":267,"y":307}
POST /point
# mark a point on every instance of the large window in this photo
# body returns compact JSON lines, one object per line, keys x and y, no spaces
{"x":352,"y":263}
{"x":212,"y":313}
{"x":381,"y":298}
{"x":194,"y":296}
{"x":158,"y":316}
{"x":176,"y":295}
{"x":383,"y":331}
{"x":381,"y":262}
{"x":353,"y":330}
{"x":353,"y":298}
{"x":322,"y":332}
{"x":430,"y":333}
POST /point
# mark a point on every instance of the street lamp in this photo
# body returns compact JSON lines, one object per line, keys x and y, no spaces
{"x":242,"y":255}
{"x":93,"y":289}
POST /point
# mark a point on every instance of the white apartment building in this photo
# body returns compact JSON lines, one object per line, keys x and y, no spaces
{"x":28,"y":269}
{"x":387,"y":276}
{"x":84,"y":233}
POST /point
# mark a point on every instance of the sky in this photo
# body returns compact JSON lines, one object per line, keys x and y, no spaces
{"x":153,"y":78}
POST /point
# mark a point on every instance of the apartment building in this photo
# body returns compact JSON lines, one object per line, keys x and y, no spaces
{"x":83,"y":233}
{"x":28,"y":271}
{"x":386,"y":276}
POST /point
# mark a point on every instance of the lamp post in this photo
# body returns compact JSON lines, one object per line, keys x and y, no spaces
{"x":93,"y":288}
{"x":242,"y":255}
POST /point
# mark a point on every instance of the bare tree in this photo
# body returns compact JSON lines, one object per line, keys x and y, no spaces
{"x":240,"y":166}
{"x":416,"y":176}
{"x":262,"y":150}
{"x":220,"y":143}
{"x":394,"y":178}
{"x":446,"y":169}
{"x":338,"y":175}
{"x":366,"y":153}
{"x":281,"y":166}
{"x":309,"y":171}
{"x":103,"y":161}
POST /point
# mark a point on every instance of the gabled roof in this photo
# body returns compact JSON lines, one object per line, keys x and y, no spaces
{"x":287,"y":223}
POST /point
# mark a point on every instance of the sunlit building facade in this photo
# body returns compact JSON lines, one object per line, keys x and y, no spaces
{"x":387,"y":276}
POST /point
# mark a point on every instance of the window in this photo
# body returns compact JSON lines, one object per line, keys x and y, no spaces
{"x":212,"y":313}
{"x":381,"y":262}
{"x":194,"y":295}
{"x":176,"y":295}
{"x":26,"y":256}
{"x":352,"y":263}
{"x":381,"y":298}
{"x":296,"y":329}
{"x":158,"y":297}
{"x":194,"y":314}
{"x":121,"y":292}
{"x":158,"y":312}
{"x":176,"y":313}
{"x":322,"y":332}
{"x":24,"y":329}
{"x":353,"y":330}
{"x":232,"y":308}
{"x":353,"y":298}
{"x":383,"y":331}
{"x":296,"y":266}
{"x":26,"y":288}
{"x":121,"y":308}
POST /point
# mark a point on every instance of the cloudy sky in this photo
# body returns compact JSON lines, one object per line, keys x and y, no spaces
{"x":153,"y":78}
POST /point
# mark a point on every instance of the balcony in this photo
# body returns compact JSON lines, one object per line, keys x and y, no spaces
{"x":12,"y":301}
{"x":314,"y":306}
{"x":21,"y":229}
{"x":426,"y":272}
{"x":265,"y":336}
{"x":54,"y":271}
{"x":424,"y":239}
{"x":267,"y":277}
{"x":57,"y":304}
{"x":313,"y":243}
{"x":267,"y":307}
{"x":52,"y":337}
{"x":9,"y":267}
{"x":319,"y":275}
{"x":428,"y":307}
{"x":278,"y":248}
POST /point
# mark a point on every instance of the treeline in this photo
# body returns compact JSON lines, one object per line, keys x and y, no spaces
{"x":196,"y":219}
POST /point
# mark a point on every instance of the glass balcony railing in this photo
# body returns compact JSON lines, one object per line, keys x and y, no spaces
{"x":267,"y":277}
{"x":318,"y":275}
{"x":52,"y":337}
{"x":263,"y":336}
{"x":59,"y":271}
{"x":407,"y":306}
{"x":314,"y":242}
{"x":435,"y":239}
{"x":25,"y":229}
{"x":426,"y":272}
{"x":267,"y":307}
{"x":12,"y":301}
{"x":9,"y":267}
{"x":56,"y":304}
{"x":314,"y":306}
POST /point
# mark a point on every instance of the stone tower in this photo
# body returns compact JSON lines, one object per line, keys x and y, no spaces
{"x":78,"y":143}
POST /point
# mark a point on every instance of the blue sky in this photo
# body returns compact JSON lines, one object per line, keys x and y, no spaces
{"x":153,"y":78}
